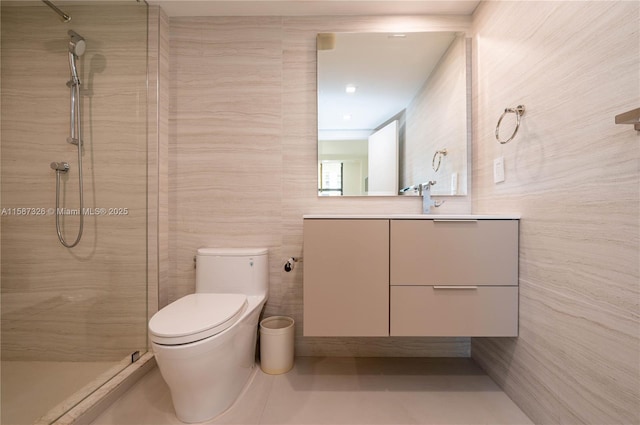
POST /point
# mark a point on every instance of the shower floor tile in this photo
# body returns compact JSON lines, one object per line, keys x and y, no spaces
{"x":30,"y":389}
{"x":321,"y":390}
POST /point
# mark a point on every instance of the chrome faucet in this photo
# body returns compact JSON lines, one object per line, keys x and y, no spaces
{"x":424,"y":190}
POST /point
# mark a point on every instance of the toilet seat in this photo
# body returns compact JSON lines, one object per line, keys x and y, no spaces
{"x":195,"y":317}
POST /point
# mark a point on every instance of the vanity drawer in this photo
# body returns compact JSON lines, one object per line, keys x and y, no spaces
{"x":457,"y":311}
{"x":454,"y":252}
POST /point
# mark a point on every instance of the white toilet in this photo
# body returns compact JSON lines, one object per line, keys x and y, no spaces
{"x":205,"y":343}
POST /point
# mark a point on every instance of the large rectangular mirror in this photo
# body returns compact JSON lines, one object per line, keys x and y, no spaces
{"x":393,"y":111}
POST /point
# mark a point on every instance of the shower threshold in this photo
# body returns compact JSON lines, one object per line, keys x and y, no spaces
{"x":35,"y":389}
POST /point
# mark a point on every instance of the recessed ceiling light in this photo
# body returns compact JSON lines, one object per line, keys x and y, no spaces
{"x":398,"y":35}
{"x":346,"y":117}
{"x":350,"y":88}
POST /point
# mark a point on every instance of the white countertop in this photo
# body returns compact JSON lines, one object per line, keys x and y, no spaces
{"x":417,"y":216}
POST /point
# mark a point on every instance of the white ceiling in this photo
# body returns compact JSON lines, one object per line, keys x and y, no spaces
{"x":314,"y":7}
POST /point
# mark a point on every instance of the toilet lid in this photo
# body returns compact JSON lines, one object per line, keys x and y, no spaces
{"x":195,"y":317}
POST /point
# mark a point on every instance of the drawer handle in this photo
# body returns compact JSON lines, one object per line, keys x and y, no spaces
{"x":442,"y":220}
{"x":455,"y":287}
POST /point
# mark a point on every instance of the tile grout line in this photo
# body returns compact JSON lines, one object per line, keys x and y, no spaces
{"x":266,"y":402}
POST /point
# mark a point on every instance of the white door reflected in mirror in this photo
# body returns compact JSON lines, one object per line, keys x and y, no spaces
{"x":383,"y":160}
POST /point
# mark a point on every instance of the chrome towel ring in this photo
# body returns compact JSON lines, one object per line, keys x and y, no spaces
{"x":519,"y":111}
{"x":439,"y":154}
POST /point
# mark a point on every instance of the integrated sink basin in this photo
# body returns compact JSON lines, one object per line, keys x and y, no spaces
{"x":417,"y":216}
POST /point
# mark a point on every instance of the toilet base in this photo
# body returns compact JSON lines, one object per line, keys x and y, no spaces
{"x":206,"y":377}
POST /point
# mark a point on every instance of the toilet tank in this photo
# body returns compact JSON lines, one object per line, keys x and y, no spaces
{"x":232,"y":270}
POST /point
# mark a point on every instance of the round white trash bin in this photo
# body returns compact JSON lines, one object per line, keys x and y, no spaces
{"x":276,"y":344}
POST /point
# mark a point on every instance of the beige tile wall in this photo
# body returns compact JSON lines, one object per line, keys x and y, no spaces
{"x":437,"y":117}
{"x":158,"y":136}
{"x":89,"y":302}
{"x":153,"y":155}
{"x":574,"y":176}
{"x":163,"y":166}
{"x":242,"y":155}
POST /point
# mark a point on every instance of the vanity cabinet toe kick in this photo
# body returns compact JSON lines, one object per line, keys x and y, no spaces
{"x":411,"y":277}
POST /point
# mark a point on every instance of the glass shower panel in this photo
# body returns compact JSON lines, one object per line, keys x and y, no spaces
{"x":71,"y":317}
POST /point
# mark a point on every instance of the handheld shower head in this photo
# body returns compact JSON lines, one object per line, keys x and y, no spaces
{"x":77,"y":45}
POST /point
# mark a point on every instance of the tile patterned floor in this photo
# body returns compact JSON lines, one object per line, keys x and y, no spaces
{"x":30,"y":389}
{"x":342,"y":391}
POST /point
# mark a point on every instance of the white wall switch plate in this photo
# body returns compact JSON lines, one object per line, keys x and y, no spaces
{"x":454,"y":183}
{"x":498,"y":170}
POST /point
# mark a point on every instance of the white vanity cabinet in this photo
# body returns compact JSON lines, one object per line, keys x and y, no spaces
{"x":444,"y":276}
{"x":454,"y":277}
{"x":346,"y":278}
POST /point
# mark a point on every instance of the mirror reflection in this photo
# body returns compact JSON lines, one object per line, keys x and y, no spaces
{"x":393,"y":112}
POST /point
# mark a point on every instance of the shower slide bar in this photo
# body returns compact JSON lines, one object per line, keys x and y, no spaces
{"x":76,"y":48}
